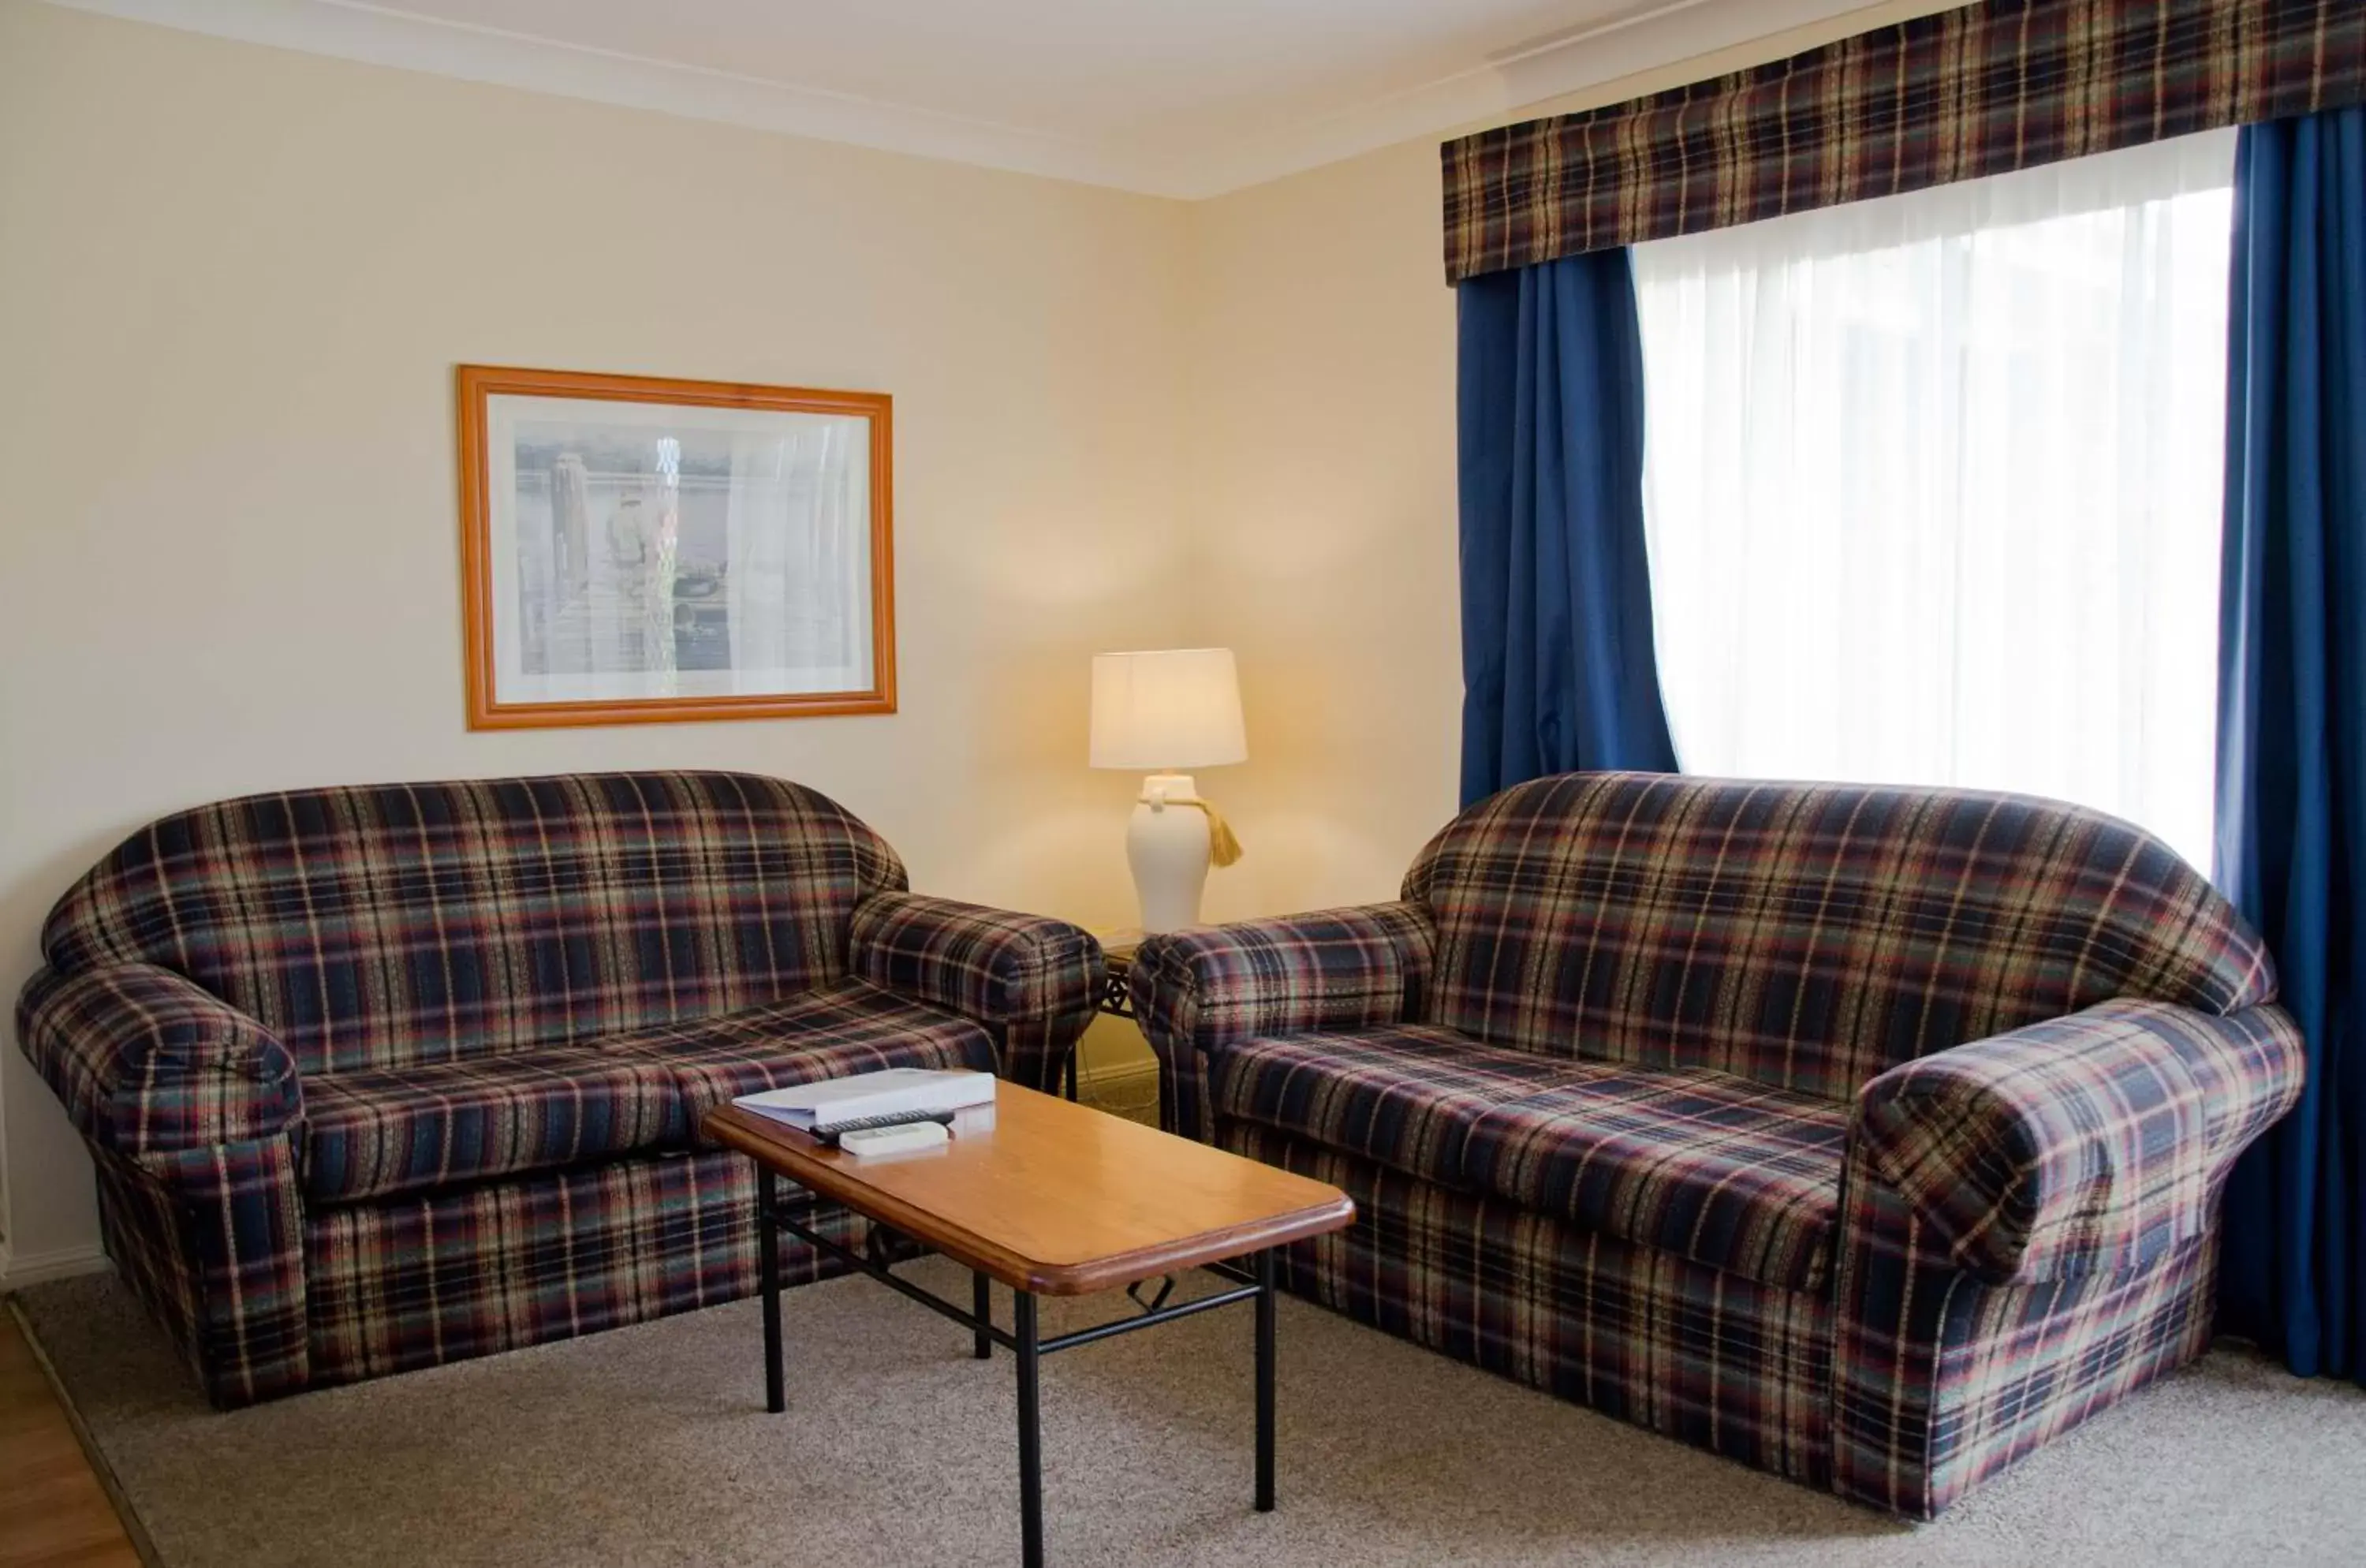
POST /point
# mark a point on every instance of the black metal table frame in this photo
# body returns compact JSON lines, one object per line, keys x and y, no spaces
{"x":1254,"y":1283}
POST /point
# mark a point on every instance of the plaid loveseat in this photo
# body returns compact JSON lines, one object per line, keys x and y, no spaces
{"x":1870,"y":1136}
{"x":383,"y":1076}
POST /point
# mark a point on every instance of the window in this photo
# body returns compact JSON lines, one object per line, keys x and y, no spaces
{"x":1934,"y":492}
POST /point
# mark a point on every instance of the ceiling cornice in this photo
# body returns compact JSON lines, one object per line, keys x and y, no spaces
{"x":1563,"y":66}
{"x":1651,"y":37}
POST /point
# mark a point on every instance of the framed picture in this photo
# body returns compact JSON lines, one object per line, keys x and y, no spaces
{"x":637,"y":550}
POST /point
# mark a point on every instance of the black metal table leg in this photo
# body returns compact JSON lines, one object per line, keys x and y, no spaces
{"x":1031,"y":1436}
{"x":768,"y":1271}
{"x":1265,"y":1324}
{"x":981,"y":1307}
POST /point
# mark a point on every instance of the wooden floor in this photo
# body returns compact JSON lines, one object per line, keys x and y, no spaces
{"x":52,"y":1510}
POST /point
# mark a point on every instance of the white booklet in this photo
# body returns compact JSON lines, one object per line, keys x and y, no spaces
{"x":833,"y":1103}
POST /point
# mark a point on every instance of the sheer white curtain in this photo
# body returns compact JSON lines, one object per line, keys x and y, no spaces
{"x":1933,"y":485}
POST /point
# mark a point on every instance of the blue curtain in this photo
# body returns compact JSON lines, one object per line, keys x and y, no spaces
{"x":1558,"y":667}
{"x":2291,"y":717}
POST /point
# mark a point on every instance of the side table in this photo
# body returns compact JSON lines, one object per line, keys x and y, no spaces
{"x":1117,"y":972}
{"x":1115,"y":997}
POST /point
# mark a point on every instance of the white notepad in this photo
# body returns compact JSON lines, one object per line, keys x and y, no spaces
{"x":913,"y":1091}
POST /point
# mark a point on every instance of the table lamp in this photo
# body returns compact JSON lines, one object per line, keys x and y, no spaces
{"x":1160,"y":713}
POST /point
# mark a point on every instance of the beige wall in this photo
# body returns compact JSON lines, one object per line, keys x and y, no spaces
{"x":1322,"y":377}
{"x":233,"y":283}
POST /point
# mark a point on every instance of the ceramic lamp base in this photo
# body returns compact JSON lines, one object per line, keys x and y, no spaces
{"x":1166,"y":844}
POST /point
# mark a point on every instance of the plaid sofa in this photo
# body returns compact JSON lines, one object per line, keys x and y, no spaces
{"x":383,"y":1076}
{"x":1870,"y":1136}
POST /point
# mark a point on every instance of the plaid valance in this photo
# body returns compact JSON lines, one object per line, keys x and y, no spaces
{"x":1980,"y":90}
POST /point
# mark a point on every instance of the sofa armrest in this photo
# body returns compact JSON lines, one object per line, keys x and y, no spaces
{"x":2086,"y":1145}
{"x":1198,"y":989}
{"x":993,"y":966}
{"x":147,"y":1062}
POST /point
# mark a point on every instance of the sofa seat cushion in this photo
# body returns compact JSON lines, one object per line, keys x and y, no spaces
{"x":1719,"y":1169}
{"x":1403,"y":1095}
{"x":374,"y":1133}
{"x":1726,"y":1171}
{"x":829,"y":1032}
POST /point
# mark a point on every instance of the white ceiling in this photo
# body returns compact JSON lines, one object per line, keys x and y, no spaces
{"x":1172,"y":97}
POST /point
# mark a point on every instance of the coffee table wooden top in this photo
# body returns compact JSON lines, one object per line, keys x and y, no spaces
{"x":1060,"y":1199}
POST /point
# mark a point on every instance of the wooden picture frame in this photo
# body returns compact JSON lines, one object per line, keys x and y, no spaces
{"x":637,"y":549}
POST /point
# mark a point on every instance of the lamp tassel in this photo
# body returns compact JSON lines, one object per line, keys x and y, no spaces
{"x":1223,"y":849}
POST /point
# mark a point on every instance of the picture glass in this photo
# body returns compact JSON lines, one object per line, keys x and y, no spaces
{"x":650,"y":551}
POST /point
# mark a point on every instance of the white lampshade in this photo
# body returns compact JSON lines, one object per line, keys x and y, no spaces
{"x":1177,"y":707}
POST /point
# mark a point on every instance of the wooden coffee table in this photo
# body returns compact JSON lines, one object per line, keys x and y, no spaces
{"x":1059,"y":1200}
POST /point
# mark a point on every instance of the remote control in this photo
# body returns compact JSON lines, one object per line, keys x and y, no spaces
{"x":838,"y":1129}
{"x":863,"y":1142}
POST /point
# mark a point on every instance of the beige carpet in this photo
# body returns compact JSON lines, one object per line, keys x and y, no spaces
{"x":649,"y":1446}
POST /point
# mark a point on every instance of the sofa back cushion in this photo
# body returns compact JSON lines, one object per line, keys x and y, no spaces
{"x":1806,"y":935}
{"x":380,"y":925}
